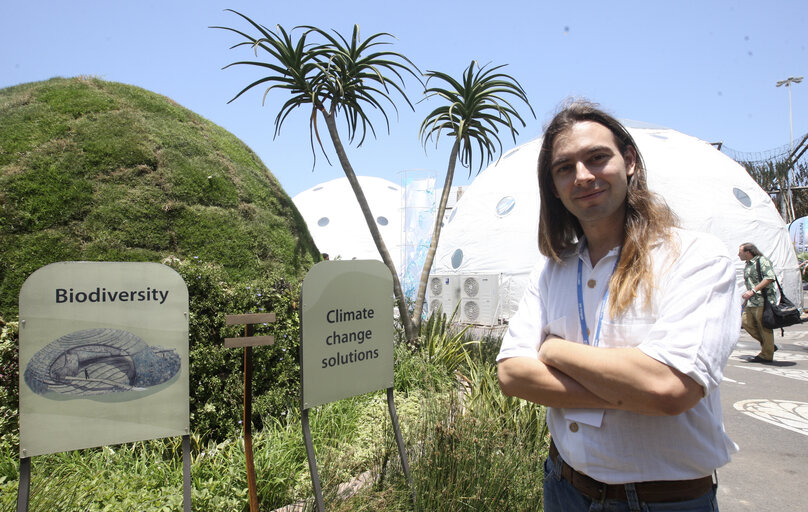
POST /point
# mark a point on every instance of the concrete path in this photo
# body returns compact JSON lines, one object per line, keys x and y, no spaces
{"x":766,"y":413}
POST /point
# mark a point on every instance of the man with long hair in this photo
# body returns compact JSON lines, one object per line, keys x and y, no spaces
{"x":623,"y":331}
{"x":758,"y":275}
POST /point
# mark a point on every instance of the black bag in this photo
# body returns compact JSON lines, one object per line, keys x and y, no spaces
{"x":777,"y":316}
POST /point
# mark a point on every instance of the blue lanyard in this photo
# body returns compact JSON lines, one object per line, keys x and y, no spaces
{"x":581,"y":313}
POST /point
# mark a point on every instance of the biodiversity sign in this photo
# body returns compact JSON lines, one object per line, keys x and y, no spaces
{"x":347,"y":330}
{"x":103,"y":355}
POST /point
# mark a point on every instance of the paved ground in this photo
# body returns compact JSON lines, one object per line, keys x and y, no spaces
{"x":766,"y":413}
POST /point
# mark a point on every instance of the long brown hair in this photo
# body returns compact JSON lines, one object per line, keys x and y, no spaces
{"x":751,"y":248}
{"x":648,"y":218}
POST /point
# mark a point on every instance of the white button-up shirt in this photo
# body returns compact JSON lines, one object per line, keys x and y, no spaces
{"x":691,"y":323}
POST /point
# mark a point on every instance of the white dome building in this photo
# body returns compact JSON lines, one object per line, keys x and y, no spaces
{"x":490,"y":243}
{"x":337,"y":225}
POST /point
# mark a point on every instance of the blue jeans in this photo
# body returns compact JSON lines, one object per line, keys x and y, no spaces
{"x":561,"y":496}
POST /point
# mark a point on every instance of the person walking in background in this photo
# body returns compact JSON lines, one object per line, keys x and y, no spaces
{"x":758,"y":274}
{"x":623,"y":331}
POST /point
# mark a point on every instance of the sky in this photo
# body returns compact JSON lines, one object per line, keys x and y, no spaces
{"x":707,"y":68}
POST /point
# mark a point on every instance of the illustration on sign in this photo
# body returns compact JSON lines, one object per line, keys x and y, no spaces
{"x":103,"y":355}
{"x":95,"y":362}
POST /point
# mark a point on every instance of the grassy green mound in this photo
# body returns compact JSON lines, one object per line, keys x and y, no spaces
{"x":102,"y":171}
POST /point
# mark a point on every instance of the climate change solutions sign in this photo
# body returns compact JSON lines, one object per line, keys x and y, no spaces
{"x":347,"y":330}
{"x":103,"y":355}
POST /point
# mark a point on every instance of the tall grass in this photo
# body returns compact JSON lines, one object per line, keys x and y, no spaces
{"x":475,"y":451}
{"x":472,"y":451}
{"x":147,"y":476}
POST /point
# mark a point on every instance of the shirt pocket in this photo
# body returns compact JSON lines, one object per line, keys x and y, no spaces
{"x":563,"y":328}
{"x":624,"y":333}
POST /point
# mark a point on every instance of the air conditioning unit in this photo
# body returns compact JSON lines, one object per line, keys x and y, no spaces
{"x":479,"y":299}
{"x":443,"y":293}
{"x":479,"y":286}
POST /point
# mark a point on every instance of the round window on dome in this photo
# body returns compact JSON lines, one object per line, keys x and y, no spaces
{"x":505,"y":206}
{"x":457,"y":258}
{"x":742,"y":197}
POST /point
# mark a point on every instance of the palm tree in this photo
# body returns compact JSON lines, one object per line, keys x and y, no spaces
{"x":335,"y":76}
{"x":475,"y":109}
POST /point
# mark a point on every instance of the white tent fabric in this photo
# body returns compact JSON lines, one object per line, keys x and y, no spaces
{"x":337,"y":225}
{"x":494,"y":227}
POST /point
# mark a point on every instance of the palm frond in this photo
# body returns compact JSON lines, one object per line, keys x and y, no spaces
{"x":476,"y":107}
{"x":358,"y":75}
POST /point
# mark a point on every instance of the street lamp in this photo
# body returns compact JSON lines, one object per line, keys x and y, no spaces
{"x":787,"y":82}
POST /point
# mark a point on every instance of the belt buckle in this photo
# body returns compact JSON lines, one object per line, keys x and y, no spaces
{"x":602,"y":491}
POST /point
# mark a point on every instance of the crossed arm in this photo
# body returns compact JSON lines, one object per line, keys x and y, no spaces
{"x":574,"y":375}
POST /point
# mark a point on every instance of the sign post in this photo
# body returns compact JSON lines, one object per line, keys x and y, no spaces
{"x":103,"y":360}
{"x":248,"y":342}
{"x":346,"y":344}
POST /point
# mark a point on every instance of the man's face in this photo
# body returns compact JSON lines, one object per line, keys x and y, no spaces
{"x":744,"y":255}
{"x":590,"y":175}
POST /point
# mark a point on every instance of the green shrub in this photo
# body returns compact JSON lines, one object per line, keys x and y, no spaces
{"x":99,"y":171}
{"x":9,"y":394}
{"x":217,"y":373}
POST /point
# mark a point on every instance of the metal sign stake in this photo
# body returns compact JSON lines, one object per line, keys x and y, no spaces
{"x":315,"y":477}
{"x":186,"y":473}
{"x":402,"y":452}
{"x":24,"y":489}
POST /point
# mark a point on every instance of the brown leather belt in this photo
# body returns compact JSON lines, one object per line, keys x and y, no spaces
{"x":660,"y":491}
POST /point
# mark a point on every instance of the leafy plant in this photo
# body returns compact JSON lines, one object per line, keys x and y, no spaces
{"x":442,"y":343}
{"x":452,"y":442}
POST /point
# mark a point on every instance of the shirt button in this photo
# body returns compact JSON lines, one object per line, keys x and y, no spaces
{"x":573,"y":427}
{"x":591,"y":283}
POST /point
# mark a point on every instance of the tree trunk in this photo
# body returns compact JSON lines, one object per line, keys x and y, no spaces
{"x":433,"y":244}
{"x":404,"y":314}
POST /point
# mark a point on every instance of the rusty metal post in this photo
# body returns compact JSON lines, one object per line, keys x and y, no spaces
{"x":247,"y":421}
{"x":248,"y":342}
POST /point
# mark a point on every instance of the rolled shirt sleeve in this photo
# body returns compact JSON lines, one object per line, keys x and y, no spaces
{"x":698,"y":312}
{"x":524,"y":333}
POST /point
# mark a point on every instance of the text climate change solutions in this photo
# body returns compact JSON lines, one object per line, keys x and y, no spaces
{"x":338,"y":316}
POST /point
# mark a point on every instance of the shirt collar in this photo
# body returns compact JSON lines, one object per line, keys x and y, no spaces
{"x":582,"y":251}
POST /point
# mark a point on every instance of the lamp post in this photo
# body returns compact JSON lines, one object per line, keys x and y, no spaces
{"x":787,"y":82}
